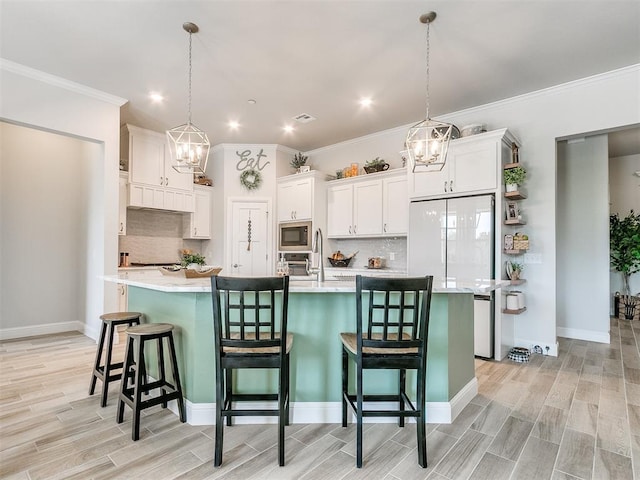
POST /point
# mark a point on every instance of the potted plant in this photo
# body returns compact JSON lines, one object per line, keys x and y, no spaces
{"x":376,"y":165}
{"x":514,"y":177}
{"x":299,"y":161}
{"x":191,"y":259}
{"x":514,"y":270}
{"x":624,"y":247}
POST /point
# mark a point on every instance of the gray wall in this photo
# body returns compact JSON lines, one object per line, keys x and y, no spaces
{"x":44,"y":215}
{"x":582,"y":285}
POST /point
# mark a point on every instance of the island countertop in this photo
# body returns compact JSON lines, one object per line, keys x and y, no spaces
{"x":155,"y":280}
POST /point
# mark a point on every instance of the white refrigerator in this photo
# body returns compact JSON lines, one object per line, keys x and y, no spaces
{"x":454,"y":238}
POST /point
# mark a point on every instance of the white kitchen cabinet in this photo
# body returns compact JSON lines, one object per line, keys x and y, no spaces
{"x":122,"y":297}
{"x":295,"y":199}
{"x":340,"y":210}
{"x":122,"y":203}
{"x":153,"y":183}
{"x":472,"y":167}
{"x":197,"y":225}
{"x":368,"y":207}
{"x":395,"y":206}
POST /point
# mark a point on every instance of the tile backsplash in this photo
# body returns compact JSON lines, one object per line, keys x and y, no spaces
{"x":155,"y":236}
{"x":371,"y":247}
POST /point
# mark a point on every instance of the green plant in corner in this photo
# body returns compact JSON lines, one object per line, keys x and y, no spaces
{"x":376,"y":162}
{"x":624,"y":246}
{"x":515,"y":176}
{"x":299,"y":160}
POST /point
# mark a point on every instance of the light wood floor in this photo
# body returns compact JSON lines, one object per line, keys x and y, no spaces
{"x":575,"y":416}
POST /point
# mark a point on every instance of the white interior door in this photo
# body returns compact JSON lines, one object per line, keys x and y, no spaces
{"x":250,"y":229}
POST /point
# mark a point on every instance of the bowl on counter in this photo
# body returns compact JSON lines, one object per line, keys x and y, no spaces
{"x":342,"y":263}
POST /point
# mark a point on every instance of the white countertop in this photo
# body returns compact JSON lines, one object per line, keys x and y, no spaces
{"x":154,"y":280}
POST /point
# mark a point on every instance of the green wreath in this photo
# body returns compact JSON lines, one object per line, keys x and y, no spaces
{"x":251,"y":179}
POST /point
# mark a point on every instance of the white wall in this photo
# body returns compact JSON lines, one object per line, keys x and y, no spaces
{"x":537,"y":119}
{"x":582,"y":288}
{"x":45,"y":220}
{"x":624,"y":195}
{"x":45,"y":102}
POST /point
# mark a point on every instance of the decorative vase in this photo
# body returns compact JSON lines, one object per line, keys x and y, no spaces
{"x":512,"y":187}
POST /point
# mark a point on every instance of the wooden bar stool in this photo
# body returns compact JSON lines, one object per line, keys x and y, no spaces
{"x":110,"y":321}
{"x":135,"y":370}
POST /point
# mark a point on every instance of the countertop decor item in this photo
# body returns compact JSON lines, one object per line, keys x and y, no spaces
{"x":189,"y":146}
{"x":428,"y":141}
{"x":190,"y":272}
{"x":337,"y":259}
{"x":376,"y":165}
{"x":190,"y":257}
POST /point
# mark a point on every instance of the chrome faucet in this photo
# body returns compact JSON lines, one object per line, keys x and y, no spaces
{"x":317,"y":257}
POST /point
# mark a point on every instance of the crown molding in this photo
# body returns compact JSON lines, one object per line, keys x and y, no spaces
{"x":49,"y":79}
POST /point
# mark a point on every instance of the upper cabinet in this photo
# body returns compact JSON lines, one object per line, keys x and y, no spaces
{"x":153,"y":183}
{"x":372,"y":205}
{"x":197,"y":225}
{"x":472,"y":166}
{"x":302,"y":197}
{"x":122,"y":203}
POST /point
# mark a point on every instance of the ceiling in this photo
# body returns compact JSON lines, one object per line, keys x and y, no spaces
{"x":316,"y":57}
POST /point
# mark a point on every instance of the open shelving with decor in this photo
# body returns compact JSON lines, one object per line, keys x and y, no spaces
{"x":515,"y":243}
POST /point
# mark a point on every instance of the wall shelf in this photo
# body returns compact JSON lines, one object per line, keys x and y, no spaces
{"x":520,"y":281}
{"x":515,"y":252}
{"x":514,"y":312}
{"x":517,"y":195}
{"x":515,"y":222}
{"x":508,"y":166}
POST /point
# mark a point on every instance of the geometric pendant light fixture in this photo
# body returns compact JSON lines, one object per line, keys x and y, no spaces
{"x":428,"y":141}
{"x":188,"y":145}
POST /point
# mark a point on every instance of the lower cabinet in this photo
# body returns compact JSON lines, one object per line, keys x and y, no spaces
{"x":197,"y":225}
{"x":122,"y":298}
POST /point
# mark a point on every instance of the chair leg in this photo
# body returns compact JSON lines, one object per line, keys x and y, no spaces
{"x":107,"y":368}
{"x":128,"y":359}
{"x":219,"y":421}
{"x":359,"y":401}
{"x":228,"y":387}
{"x":287,"y":383}
{"x":401,"y":388}
{"x":96,"y":365}
{"x":176,"y":379}
{"x":137,"y":389}
{"x":345,"y":382}
{"x":421,"y":420}
{"x":282,"y":387}
{"x":161,"y":372}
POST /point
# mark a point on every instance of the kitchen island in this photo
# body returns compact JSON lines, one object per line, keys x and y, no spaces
{"x":318,"y":312}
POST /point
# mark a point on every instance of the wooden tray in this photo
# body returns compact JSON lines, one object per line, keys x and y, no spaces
{"x":189,"y":273}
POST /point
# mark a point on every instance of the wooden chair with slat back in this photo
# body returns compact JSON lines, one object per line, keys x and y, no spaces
{"x":250,"y":331}
{"x":391,"y":333}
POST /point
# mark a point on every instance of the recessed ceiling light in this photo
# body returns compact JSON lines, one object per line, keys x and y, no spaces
{"x":365,"y":101}
{"x":233,"y":125}
{"x":288,"y":128}
{"x":156,"y":97}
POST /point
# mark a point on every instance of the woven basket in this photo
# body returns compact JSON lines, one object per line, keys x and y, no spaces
{"x":520,"y":244}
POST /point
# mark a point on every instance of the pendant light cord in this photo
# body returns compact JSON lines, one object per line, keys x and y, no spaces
{"x":428,"y":25}
{"x":190,"y":35}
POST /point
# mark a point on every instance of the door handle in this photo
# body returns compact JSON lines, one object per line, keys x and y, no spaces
{"x":451,"y":185}
{"x":384,"y":228}
{"x":235,"y":265}
{"x":445,"y":186}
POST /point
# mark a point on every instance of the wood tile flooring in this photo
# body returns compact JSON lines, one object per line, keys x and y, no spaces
{"x":576,"y":416}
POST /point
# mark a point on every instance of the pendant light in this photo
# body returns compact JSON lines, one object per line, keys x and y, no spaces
{"x":189,"y":146}
{"x":428,"y":141}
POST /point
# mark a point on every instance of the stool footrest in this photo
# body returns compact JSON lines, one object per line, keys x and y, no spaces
{"x":411,"y":412}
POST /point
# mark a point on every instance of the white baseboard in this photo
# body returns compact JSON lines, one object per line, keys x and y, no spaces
{"x":329,"y":412}
{"x":589,"y":335}
{"x":43,"y":329}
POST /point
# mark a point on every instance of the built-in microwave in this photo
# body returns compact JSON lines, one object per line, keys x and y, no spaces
{"x":295,"y":236}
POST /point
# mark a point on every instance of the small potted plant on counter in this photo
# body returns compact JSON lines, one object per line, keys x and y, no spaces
{"x":514,"y":177}
{"x":192,"y":260}
{"x":299,"y":162}
{"x":376,"y":165}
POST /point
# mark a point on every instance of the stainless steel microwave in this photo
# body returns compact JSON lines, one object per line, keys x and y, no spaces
{"x":295,"y":236}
